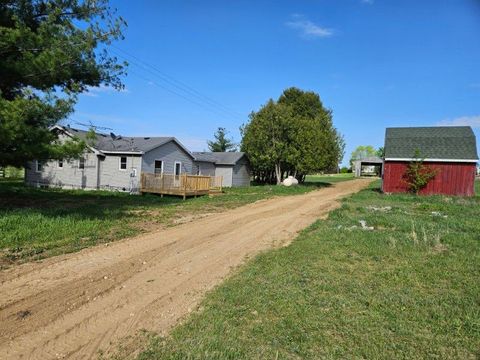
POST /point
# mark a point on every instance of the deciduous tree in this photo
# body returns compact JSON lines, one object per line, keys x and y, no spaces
{"x":292,"y":136}
{"x":362,"y":152}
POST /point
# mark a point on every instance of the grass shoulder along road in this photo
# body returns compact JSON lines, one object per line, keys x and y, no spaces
{"x":402,"y":285}
{"x":37,"y":223}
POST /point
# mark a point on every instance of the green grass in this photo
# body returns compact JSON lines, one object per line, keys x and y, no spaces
{"x":36,"y":223}
{"x":409,"y":289}
{"x":333,"y":178}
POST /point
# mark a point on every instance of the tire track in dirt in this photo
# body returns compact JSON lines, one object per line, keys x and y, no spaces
{"x":74,"y":305}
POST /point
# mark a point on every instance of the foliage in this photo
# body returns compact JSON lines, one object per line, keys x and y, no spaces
{"x":380,"y":152}
{"x":362,"y":152}
{"x":345,"y":170}
{"x":50,"y":51}
{"x":221,"y":142}
{"x":292,"y":136}
{"x":265,"y":138}
{"x":11,"y":172}
{"x":338,"y":292}
{"x":417,"y":175}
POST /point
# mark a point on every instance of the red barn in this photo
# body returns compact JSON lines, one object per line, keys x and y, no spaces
{"x":451,"y":150}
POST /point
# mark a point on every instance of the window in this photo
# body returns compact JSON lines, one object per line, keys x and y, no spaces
{"x":81,"y":163}
{"x":178,"y":168}
{"x":60,"y":164}
{"x":123,"y":163}
{"x":158,"y":167}
{"x":39,"y":166}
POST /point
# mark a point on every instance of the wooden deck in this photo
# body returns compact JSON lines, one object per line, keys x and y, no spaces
{"x":183,"y":185}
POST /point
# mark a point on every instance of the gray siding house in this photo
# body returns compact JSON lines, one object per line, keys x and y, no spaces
{"x":112,"y":162}
{"x":232,"y":166}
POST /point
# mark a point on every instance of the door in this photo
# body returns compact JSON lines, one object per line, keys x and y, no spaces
{"x":158,"y":167}
{"x":177,"y":170}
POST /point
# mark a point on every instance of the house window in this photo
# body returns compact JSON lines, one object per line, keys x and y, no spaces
{"x":81,"y":163}
{"x":39,"y":166}
{"x":123,"y":163}
{"x":60,"y":164}
{"x":178,"y":168}
{"x":158,"y":168}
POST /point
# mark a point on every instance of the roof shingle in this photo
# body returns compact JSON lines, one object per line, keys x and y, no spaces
{"x":107,"y":143}
{"x":219,"y":158}
{"x":441,"y":142}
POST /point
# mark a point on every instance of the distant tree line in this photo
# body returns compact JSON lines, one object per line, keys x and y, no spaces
{"x":294,"y":136}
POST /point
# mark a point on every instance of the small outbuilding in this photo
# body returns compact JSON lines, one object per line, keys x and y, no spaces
{"x":233,"y":167}
{"x":369,"y":166}
{"x":451,"y":151}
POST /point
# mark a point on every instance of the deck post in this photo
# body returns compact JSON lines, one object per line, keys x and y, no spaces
{"x":184,"y":186}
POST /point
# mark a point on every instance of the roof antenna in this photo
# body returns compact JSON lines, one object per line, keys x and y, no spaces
{"x":91,"y":125}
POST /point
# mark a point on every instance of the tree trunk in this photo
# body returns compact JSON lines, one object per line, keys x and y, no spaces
{"x":278,"y":173}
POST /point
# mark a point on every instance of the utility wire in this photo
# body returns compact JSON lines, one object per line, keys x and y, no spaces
{"x":176,"y":93}
{"x":179,"y":85}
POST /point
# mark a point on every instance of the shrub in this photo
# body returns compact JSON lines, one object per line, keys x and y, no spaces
{"x":417,"y":175}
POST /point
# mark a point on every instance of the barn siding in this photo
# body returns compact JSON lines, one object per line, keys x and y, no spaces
{"x":451,"y":179}
{"x":168,"y":153}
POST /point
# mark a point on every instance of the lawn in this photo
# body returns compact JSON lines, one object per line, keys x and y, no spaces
{"x":36,"y":223}
{"x":407,"y":289}
{"x":330,"y":178}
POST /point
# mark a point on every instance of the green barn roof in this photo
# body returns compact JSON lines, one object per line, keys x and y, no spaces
{"x":441,"y":143}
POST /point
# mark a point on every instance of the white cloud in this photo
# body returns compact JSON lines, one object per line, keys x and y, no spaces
{"x":473,"y":121}
{"x":95,"y":91}
{"x":307,"y":28}
{"x":368,"y":2}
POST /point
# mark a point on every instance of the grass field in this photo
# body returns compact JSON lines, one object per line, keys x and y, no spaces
{"x":407,"y":289}
{"x":36,"y":223}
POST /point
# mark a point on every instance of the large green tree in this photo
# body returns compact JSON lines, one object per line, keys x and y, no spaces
{"x":50,"y":51}
{"x":222,"y":143}
{"x":362,"y":152}
{"x":266,"y":140}
{"x":292,"y":136}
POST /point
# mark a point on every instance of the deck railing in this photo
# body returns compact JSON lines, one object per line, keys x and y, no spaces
{"x":183,"y":185}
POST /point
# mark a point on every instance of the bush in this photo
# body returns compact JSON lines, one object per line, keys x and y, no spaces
{"x":417,"y":175}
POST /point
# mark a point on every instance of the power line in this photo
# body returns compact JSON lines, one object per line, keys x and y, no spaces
{"x":175,"y":82}
{"x":179,"y":85}
{"x":176,"y":93}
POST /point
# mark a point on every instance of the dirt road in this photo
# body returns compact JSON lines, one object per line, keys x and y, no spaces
{"x":78,"y":304}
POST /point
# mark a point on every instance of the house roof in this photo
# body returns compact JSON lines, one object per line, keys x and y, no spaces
{"x":371,"y":159}
{"x":440,"y":143}
{"x":219,"y":158}
{"x":124,"y":144}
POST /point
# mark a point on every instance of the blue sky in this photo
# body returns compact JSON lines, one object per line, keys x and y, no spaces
{"x":198,"y":65}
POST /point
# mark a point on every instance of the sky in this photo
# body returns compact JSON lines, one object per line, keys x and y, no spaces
{"x":195,"y":66}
